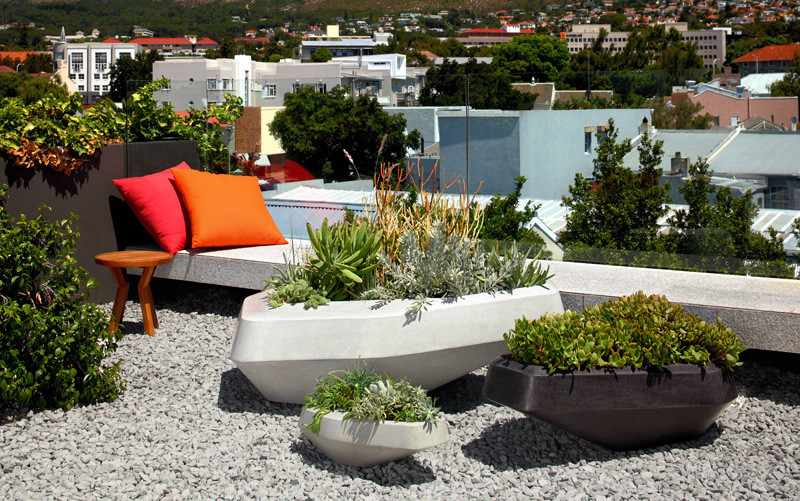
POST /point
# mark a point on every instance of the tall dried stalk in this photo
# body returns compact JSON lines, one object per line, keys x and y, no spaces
{"x":395,"y":211}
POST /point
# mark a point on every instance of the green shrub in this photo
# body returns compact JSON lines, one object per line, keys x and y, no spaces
{"x":363,"y":394}
{"x":52,"y":339}
{"x":638,"y":331}
{"x":502,"y":221}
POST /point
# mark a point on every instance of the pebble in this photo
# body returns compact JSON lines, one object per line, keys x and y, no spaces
{"x":190,"y":426}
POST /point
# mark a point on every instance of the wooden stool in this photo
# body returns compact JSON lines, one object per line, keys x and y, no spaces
{"x":147,"y":260}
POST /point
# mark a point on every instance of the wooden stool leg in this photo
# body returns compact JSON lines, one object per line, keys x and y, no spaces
{"x":123,"y":285}
{"x":149,"y":317}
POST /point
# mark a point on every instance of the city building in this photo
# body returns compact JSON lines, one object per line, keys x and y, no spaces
{"x":196,"y":81}
{"x":484,"y":36}
{"x":85,"y":67}
{"x":710,"y":43}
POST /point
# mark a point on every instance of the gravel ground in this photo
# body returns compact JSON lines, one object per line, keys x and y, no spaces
{"x":190,"y":425}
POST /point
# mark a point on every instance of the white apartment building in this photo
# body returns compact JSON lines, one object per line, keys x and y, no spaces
{"x":196,"y":82}
{"x":710,"y":43}
{"x":85,"y":67}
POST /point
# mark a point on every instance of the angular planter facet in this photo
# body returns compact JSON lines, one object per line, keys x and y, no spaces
{"x":283,"y":351}
{"x":620,"y":410}
{"x":368,"y":442}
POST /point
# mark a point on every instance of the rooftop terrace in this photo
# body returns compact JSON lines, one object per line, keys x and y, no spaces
{"x":192,"y":426}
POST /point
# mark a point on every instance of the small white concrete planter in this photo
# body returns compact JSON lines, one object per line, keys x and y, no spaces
{"x":368,"y":442}
{"x":283,"y":351}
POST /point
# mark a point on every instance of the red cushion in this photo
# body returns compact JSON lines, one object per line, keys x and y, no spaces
{"x":156,"y":202}
{"x":225,"y":210}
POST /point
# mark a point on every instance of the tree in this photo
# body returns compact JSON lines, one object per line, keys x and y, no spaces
{"x":489,"y":88}
{"x":127,"y":70}
{"x":527,"y":56}
{"x":315,"y":128}
{"x":321,"y":56}
{"x":28,"y":88}
{"x":719,"y":224}
{"x":684,"y":114}
{"x":620,"y":209}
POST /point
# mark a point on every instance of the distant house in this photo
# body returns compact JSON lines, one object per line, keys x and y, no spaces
{"x":768,"y":59}
{"x":177,"y":46}
{"x":762,"y":161}
{"x":339,"y":45}
{"x":731,"y":107}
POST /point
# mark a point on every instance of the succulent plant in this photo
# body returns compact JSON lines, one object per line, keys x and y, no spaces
{"x":345,"y":258}
{"x":362,"y":393}
{"x":451,"y":267}
{"x":638,"y":331}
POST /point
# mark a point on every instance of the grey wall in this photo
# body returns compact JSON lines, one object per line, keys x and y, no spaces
{"x":423,"y":119}
{"x":553,"y":146}
{"x":494,"y":149}
{"x":547,"y":147}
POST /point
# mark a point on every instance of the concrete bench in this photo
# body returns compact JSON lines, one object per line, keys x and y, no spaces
{"x":243,"y":267}
{"x":764,"y":312}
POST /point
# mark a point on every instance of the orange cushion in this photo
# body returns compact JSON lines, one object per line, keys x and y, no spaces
{"x":226,"y":210}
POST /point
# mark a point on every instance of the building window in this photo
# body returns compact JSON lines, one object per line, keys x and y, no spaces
{"x":97,"y":76}
{"x":81,"y":88}
{"x":270,"y":90}
{"x":101,"y":62}
{"x":211,"y":84}
{"x":587,"y":142}
{"x":734,"y":120}
{"x":76,"y":62}
{"x":716,"y":121}
{"x":96,"y":88}
{"x":105,"y":88}
{"x":779,"y":194}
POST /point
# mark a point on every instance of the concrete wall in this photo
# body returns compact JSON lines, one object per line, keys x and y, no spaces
{"x":547,"y":147}
{"x":552,"y":150}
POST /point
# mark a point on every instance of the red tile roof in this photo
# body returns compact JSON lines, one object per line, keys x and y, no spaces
{"x":110,"y":40}
{"x":19,"y":55}
{"x":771,"y":53}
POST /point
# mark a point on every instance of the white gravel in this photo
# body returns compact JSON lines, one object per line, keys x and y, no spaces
{"x":191,"y":426}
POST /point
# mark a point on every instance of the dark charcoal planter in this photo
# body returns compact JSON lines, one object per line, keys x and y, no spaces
{"x":620,"y":409}
{"x":90,"y":193}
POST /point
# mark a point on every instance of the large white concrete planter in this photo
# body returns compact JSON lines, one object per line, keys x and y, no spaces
{"x":283,"y":351}
{"x":368,"y":442}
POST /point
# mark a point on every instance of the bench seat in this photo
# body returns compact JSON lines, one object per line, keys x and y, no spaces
{"x":243,"y":267}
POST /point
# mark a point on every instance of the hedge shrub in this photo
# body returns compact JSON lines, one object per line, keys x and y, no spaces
{"x":52,"y":339}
